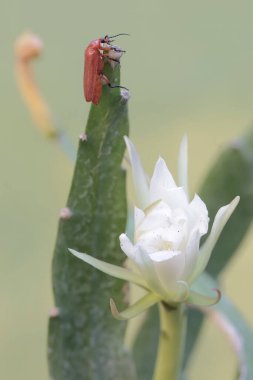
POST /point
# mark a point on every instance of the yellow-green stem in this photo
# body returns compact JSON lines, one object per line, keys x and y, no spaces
{"x":171,"y":342}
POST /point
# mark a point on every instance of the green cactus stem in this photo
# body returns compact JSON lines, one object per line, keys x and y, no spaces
{"x":85,"y":342}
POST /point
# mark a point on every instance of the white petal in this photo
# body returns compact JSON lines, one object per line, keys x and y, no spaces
{"x":183,"y":164}
{"x":161,"y":179}
{"x":147,"y":270}
{"x":169,"y":267}
{"x":180,"y":217}
{"x":162,"y":256}
{"x":159,"y":217}
{"x":220,"y":220}
{"x":127,"y":246}
{"x":191,"y":254}
{"x":161,"y":239}
{"x":138,"y":216}
{"x":174,"y":197}
{"x":139,"y":176}
{"x":198,"y":206}
{"x":199,"y":214}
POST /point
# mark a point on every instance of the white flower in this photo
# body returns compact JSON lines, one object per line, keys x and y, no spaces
{"x":168,"y":227}
{"x":166,"y":244}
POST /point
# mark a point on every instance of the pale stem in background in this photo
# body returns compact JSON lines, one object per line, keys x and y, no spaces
{"x":183,"y":165}
{"x":27,"y":48}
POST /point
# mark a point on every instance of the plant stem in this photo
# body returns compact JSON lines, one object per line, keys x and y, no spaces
{"x":84,"y":341}
{"x":171,"y":341}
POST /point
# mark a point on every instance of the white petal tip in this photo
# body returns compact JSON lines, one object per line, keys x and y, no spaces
{"x":140,"y":180}
{"x":184,"y":144}
{"x":127,"y":246}
{"x":184,"y":139}
{"x":236,"y":200}
{"x":130,"y":147}
{"x":183,"y":164}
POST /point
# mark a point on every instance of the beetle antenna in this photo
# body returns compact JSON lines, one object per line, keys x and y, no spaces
{"x":120,"y":34}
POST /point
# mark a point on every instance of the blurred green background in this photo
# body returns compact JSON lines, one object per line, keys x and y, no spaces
{"x":189,"y":65}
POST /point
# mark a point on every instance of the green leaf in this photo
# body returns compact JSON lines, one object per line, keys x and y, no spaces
{"x":231,"y":175}
{"x":234,"y":327}
{"x":244,"y":332}
{"x":85,"y":342}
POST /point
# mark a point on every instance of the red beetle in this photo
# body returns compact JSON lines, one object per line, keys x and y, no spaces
{"x":94,"y":78}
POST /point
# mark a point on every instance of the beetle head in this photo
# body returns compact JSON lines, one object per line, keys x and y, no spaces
{"x":105,"y":40}
{"x":108,"y":39}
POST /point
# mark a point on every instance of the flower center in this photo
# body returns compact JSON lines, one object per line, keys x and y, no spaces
{"x":162,"y":229}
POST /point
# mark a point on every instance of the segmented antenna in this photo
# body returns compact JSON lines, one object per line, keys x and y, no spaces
{"x":120,"y":34}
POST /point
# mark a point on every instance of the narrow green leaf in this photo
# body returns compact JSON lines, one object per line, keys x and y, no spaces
{"x":231,"y":175}
{"x":85,"y":342}
{"x":244,"y":332}
{"x":235,"y":328}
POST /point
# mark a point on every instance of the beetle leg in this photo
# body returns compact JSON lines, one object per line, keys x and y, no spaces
{"x":116,"y":86}
{"x":118,"y":50}
{"x":105,"y":81}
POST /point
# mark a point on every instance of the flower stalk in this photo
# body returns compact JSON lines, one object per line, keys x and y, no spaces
{"x":171,"y":342}
{"x":27,"y":48}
